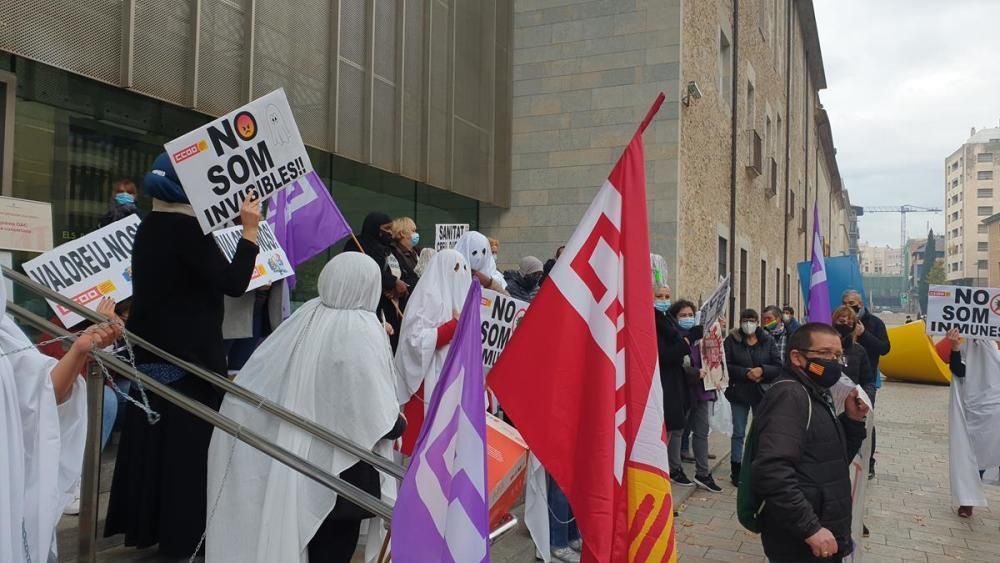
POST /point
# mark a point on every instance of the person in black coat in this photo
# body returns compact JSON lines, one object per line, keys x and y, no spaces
{"x":376,"y":241}
{"x":753,"y":362}
{"x":801,"y":466}
{"x":857,"y":367}
{"x":674,"y":354}
{"x":179,"y":278}
{"x":871,"y":334}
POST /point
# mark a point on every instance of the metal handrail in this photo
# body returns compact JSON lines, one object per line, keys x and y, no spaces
{"x":379,"y":462}
{"x":226,"y":424}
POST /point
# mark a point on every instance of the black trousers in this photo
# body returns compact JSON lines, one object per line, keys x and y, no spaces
{"x":335,"y":541}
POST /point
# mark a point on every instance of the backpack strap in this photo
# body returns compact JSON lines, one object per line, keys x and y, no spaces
{"x":808,"y":399}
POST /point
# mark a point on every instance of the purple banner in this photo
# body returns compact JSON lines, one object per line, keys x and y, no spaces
{"x":442,"y":513}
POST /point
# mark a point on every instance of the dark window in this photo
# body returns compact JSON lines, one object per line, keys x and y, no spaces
{"x":763,"y":284}
{"x":723,"y":257}
{"x":777,"y":287}
{"x":788,"y":284}
{"x":743,"y":278}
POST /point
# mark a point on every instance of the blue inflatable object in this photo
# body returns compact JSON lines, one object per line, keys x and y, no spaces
{"x":842,"y":273}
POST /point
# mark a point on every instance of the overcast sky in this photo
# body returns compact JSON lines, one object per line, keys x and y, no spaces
{"x":906,"y":80}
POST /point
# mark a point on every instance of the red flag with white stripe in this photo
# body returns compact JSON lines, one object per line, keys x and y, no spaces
{"x":580,"y":377}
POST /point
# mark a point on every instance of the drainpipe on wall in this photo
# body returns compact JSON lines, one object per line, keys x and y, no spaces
{"x":788,"y":144}
{"x":734,"y":139}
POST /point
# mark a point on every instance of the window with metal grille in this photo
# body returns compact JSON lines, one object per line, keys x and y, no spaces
{"x":984,"y":210}
{"x":984,"y":175}
{"x":984,"y":192}
{"x":984,"y":157}
{"x":982,"y":246}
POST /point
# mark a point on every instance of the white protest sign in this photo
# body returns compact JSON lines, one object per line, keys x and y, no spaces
{"x":974,"y":311}
{"x":713,"y":358}
{"x":715,"y":307}
{"x":500,"y":315}
{"x":446,"y":235}
{"x":89,"y":268}
{"x":255,"y":148}
{"x":25,"y":225}
{"x":272,"y":264}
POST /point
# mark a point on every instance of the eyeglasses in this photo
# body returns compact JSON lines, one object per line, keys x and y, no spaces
{"x":828,"y":355}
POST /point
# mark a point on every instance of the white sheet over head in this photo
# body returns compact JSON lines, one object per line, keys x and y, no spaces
{"x":437,"y":299}
{"x":331,"y":363}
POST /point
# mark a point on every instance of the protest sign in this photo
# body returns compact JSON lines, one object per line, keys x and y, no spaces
{"x":713,"y":358}
{"x":500,"y":317}
{"x":506,"y":463}
{"x":25,"y":225}
{"x":272,"y":264}
{"x":89,"y":268}
{"x":715,"y":307}
{"x":446,"y":235}
{"x":974,"y":311}
{"x":256,"y":148}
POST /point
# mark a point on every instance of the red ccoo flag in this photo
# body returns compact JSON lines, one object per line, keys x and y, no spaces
{"x":580,"y":377}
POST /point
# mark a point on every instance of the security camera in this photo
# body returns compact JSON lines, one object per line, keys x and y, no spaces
{"x":693,"y":91}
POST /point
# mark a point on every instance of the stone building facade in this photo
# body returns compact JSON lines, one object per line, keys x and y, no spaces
{"x":584,"y":74}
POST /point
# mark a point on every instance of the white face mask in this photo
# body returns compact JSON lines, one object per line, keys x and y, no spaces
{"x":749,"y":327}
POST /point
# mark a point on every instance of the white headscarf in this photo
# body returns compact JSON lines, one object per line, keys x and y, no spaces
{"x":331,"y":363}
{"x":475,"y":247}
{"x":974,"y":421}
{"x":42,"y":451}
{"x":435,"y":301}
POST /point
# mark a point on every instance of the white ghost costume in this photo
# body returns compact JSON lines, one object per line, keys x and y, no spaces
{"x":974,"y":421}
{"x":475,"y":247}
{"x":42,"y":451}
{"x":435,"y":301}
{"x":331,"y":363}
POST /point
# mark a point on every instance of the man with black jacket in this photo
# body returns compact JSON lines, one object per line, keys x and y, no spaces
{"x":871,"y":334}
{"x":800,"y":469}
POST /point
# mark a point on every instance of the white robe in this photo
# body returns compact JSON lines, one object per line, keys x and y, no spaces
{"x":974,"y":421}
{"x":436,"y":300}
{"x":331,"y":363}
{"x":41,"y":455}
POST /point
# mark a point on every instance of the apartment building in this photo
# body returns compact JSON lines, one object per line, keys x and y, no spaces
{"x":972,"y":194}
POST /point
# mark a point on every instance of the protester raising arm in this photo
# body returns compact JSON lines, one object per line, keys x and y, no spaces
{"x":203,"y":257}
{"x":875,"y":340}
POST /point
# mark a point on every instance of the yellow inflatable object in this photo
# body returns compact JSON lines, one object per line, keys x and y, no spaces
{"x":913,"y":357}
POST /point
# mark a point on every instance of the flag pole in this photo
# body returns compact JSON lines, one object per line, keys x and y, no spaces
{"x":652,"y":112}
{"x":383,"y":555}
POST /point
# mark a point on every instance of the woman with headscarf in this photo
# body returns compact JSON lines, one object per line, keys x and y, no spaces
{"x":330,"y":362}
{"x":179,"y":279}
{"x":43,"y":421}
{"x":428,"y":327}
{"x":475,"y":247}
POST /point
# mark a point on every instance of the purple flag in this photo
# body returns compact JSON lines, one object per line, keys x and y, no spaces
{"x":306,"y":221}
{"x":819,"y":301}
{"x":442,"y":512}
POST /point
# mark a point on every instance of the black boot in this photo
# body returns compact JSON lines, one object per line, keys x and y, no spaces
{"x":735,"y":473}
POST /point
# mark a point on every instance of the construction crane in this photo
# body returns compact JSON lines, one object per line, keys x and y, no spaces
{"x":903,"y":210}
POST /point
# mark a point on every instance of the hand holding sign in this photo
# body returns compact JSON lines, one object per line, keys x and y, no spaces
{"x":250,"y":217}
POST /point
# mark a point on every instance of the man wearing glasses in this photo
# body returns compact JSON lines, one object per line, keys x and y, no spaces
{"x":800,"y":469}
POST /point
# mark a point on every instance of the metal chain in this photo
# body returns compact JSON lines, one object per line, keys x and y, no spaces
{"x":24,"y":539}
{"x":152,"y":416}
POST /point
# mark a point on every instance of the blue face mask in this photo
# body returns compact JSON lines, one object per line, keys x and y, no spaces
{"x":415,"y":239}
{"x":662,"y":305}
{"x":687,"y":323}
{"x":124,"y":198}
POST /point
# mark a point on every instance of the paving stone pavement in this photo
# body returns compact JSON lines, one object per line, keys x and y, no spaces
{"x":908,"y":508}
